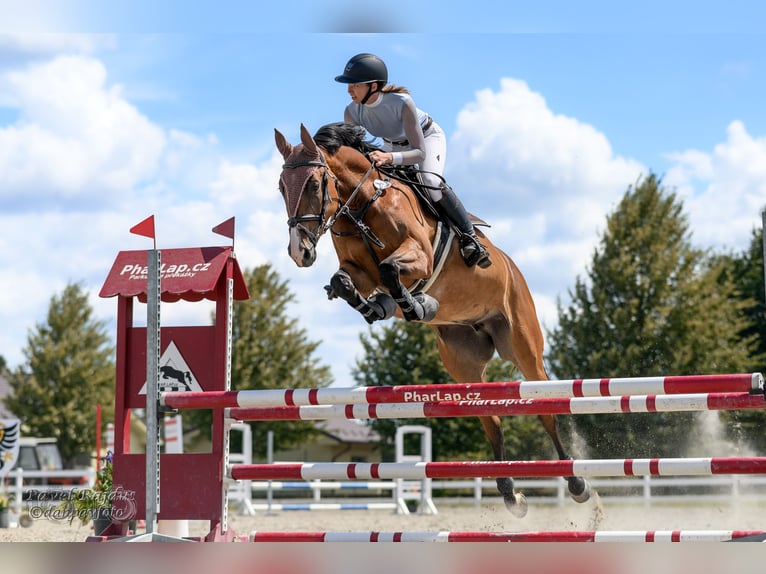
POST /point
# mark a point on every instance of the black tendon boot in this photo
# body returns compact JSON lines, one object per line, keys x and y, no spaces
{"x":473,"y":252}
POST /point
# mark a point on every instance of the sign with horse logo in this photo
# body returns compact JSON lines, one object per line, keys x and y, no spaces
{"x":175,"y":374}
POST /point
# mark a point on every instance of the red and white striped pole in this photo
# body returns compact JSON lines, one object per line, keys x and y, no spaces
{"x":562,"y":536}
{"x":499,"y":469}
{"x":749,"y":382}
{"x":506,"y":407}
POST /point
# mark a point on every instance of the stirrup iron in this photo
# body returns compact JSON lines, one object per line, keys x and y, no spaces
{"x":473,"y":252}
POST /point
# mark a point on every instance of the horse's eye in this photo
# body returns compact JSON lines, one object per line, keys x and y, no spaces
{"x":313,"y":186}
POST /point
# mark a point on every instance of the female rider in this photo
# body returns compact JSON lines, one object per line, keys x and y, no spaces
{"x":410,"y":137}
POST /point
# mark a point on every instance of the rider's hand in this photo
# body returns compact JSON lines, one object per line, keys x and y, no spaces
{"x":381,"y":158}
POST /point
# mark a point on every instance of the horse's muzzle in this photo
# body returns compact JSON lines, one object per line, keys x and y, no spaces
{"x":301,"y":249}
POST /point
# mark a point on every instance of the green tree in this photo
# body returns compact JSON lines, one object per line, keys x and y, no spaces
{"x":748,"y":275}
{"x":405,"y":353}
{"x":69,"y":369}
{"x":652,"y":305}
{"x":746,"y":270}
{"x":270,"y":351}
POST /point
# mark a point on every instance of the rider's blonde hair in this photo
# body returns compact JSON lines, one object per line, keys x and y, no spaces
{"x":393,"y":88}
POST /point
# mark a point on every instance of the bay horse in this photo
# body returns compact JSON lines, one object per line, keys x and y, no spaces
{"x":384,"y":238}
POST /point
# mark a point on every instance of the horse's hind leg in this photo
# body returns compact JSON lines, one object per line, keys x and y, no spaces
{"x":465,"y":352}
{"x":578,"y":487}
{"x":525,"y":348}
{"x":514,"y":501}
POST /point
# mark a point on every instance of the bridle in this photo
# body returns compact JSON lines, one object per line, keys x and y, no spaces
{"x":326,"y":223}
{"x":297,"y":221}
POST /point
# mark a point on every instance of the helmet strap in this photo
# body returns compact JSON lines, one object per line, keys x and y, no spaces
{"x":370,"y":91}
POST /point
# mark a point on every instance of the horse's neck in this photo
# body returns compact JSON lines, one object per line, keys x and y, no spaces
{"x":351,"y":168}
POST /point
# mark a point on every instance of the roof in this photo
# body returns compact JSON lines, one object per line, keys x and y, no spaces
{"x":189,"y":274}
{"x":349,"y":430}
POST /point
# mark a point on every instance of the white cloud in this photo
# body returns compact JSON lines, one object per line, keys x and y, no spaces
{"x":510,"y":148}
{"x":724,"y":190}
{"x":247,"y":184}
{"x":76,"y":137}
{"x":543,"y":181}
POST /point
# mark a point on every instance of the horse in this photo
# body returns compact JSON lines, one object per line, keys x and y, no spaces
{"x":386,"y":242}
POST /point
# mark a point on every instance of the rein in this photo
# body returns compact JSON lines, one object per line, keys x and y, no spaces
{"x":356,"y":217}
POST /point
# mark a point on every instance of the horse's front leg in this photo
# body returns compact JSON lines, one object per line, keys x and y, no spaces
{"x":411,"y":263}
{"x":377,"y":307}
{"x":465,"y":351}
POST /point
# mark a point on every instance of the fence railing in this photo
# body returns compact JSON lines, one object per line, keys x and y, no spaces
{"x":644,"y":490}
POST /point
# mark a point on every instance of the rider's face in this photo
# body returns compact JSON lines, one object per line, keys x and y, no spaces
{"x":358,"y":92}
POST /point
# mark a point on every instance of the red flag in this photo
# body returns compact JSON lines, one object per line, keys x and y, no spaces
{"x":145,"y":228}
{"x":226,"y":228}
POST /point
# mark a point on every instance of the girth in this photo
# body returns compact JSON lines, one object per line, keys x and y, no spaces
{"x":442,"y":240}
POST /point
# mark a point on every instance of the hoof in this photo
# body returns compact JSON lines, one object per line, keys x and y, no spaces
{"x":331,"y":294}
{"x":579,"y":490}
{"x":517,"y":505}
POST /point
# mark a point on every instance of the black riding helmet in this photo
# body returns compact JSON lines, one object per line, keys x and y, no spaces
{"x":364,"y":69}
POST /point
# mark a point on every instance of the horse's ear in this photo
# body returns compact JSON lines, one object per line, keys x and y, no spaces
{"x":308,"y":142}
{"x":283,"y":145}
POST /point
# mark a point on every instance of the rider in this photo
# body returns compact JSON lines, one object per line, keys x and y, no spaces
{"x":410,"y":137}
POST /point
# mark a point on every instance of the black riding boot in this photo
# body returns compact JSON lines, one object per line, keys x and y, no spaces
{"x":473,"y":252}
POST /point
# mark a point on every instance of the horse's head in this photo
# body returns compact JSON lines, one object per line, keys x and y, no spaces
{"x":304,"y":187}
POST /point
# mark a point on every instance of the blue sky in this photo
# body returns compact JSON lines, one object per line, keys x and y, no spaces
{"x":108,"y":115}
